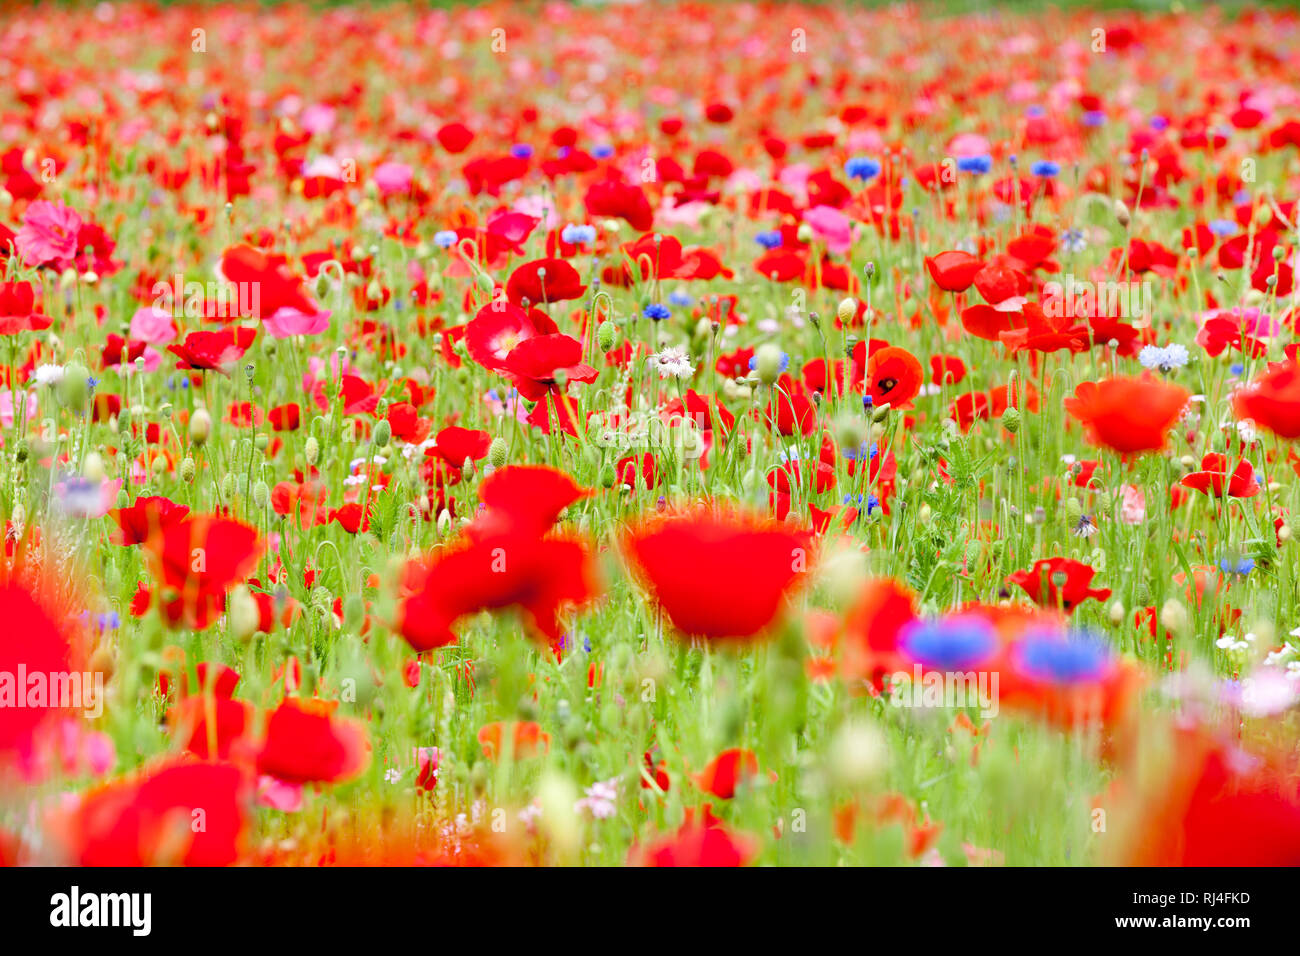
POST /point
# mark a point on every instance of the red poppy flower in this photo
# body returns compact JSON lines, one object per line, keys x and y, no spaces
{"x":1214,"y":480}
{"x":34,"y":639}
{"x":306,"y":742}
{"x":620,"y":201}
{"x":1272,"y":400}
{"x":544,"y":281}
{"x":18,"y":312}
{"x":272,"y":287}
{"x":498,"y":327}
{"x":454,"y":446}
{"x":147,"y":820}
{"x":719,"y":576}
{"x":953,"y":271}
{"x":454,"y":137}
{"x":699,"y":843}
{"x":546,"y":362}
{"x":149,"y":515}
{"x":213,"y":351}
{"x":894,"y":377}
{"x":726,"y":772}
{"x":1128,"y":415}
{"x":1058,"y":582}
{"x":196,"y":561}
{"x":285,"y":418}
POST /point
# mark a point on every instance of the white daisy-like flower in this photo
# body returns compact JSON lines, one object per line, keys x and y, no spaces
{"x":1164,"y":359}
{"x":49,"y":374}
{"x":673,"y":362}
{"x":392,"y":775}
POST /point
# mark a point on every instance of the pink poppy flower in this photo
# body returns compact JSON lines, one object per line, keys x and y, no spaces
{"x":49,"y":234}
{"x":152,"y":325}
{"x":285,"y":322}
{"x":830,"y":226}
{"x":393,"y":178}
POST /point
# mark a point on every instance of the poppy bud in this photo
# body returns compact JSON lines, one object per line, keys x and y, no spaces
{"x":200,"y":427}
{"x":93,"y":467}
{"x":1173,"y":617}
{"x":444,"y":522}
{"x":605,"y":336}
{"x":1073,"y":510}
{"x":75,"y":384}
{"x":1116,"y":613}
{"x":497,"y":452}
{"x":187,"y":469}
{"x":228,"y":486}
{"x":311,"y":450}
{"x":244,"y":616}
{"x":607,"y":476}
{"x":858,"y":754}
{"x":383,"y":433}
{"x":848,"y":308}
{"x":767,"y":362}
{"x":804,"y":233}
{"x":1011,"y":419}
{"x":261,"y":494}
{"x":1122,"y":215}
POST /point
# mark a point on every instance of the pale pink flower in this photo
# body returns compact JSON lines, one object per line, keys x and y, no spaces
{"x":285,"y":322}
{"x":49,"y":234}
{"x":393,"y":178}
{"x":278,"y":795}
{"x":1134,"y":508}
{"x":831,"y":226}
{"x":152,"y":325}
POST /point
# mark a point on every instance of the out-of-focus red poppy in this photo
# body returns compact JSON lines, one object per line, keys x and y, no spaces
{"x":1128,"y":415}
{"x":720,"y":577}
{"x":149,"y":515}
{"x":306,"y":742}
{"x":196,"y":561}
{"x":1272,"y":400}
{"x":1058,"y":582}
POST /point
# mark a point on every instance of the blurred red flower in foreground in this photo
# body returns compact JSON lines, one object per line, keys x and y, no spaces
{"x":719,"y":576}
{"x":1128,"y":415}
{"x":196,"y":561}
{"x":1273,"y":400}
{"x":306,"y":742}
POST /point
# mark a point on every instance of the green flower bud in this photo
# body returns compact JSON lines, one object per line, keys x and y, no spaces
{"x":312,"y":450}
{"x":383,"y":434}
{"x":261,"y":494}
{"x":187,"y":469}
{"x":497,"y":452}
{"x":606,"y":336}
{"x":767,"y":362}
{"x":1011,"y":419}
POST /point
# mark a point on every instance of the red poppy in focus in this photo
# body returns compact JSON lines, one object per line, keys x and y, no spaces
{"x":1214,"y":480}
{"x":894,"y":377}
{"x":544,"y":281}
{"x":1058,"y":582}
{"x":719,"y":576}
{"x":953,"y":271}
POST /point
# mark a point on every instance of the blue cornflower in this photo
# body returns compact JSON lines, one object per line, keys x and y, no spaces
{"x":1158,"y":123}
{"x":444,"y":239}
{"x":862,"y":167}
{"x":656,"y":312}
{"x":1241,"y":566}
{"x":521,"y":151}
{"x":1046,"y":169}
{"x":109,"y":621}
{"x":577,"y":235}
{"x":1223,"y":227}
{"x":679,"y":298}
{"x":603,"y":151}
{"x":1077,"y":659}
{"x":1094,"y":118}
{"x":975,"y":164}
{"x":953,"y":644}
{"x":865,"y":450}
{"x":770,"y":240}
